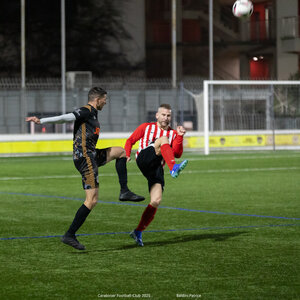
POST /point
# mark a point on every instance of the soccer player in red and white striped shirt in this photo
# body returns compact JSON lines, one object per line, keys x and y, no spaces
{"x":159,"y":144}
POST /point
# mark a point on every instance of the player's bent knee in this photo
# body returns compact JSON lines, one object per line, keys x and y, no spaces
{"x":91,"y":198}
{"x":162,"y":140}
{"x":159,"y":142}
{"x":117,"y":152}
{"x":90,"y":204}
{"x":155,"y":202}
{"x":122,"y":152}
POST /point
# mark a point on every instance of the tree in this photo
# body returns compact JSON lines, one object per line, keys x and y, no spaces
{"x":94,"y":31}
{"x":10,"y":57}
{"x":94,"y":37}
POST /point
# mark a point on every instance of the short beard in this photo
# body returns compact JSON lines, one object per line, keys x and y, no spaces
{"x":167,"y":124}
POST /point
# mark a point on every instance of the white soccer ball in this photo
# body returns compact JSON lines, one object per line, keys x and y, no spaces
{"x":242,"y":8}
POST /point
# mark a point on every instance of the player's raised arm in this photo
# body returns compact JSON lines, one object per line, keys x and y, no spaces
{"x":34,"y":119}
{"x":181,"y":130}
{"x":57,"y":119}
{"x":135,"y":136}
{"x":178,"y":142}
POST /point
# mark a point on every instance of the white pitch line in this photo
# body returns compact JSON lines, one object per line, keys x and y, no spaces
{"x":55,"y":177}
{"x":203,"y":158}
{"x":242,"y":170}
{"x":240,"y":157}
{"x":139,"y":174}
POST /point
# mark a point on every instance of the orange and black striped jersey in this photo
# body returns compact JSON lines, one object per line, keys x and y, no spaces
{"x":86,"y":131}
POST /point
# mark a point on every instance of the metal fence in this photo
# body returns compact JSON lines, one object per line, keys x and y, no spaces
{"x":254,"y":107}
{"x":135,"y":100}
{"x":130,"y":103}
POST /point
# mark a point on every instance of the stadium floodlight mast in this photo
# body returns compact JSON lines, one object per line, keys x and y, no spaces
{"x":207,"y":87}
{"x":211,"y":44}
{"x":174,"y":55}
{"x":23,"y":105}
{"x":211,"y":55}
{"x":23,"y":65}
{"x":63,"y":62}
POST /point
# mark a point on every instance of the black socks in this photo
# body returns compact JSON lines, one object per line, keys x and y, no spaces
{"x":83,"y":211}
{"x":122,"y":173}
{"x":80,"y":217}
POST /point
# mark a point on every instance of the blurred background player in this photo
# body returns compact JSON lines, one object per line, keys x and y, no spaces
{"x":159,"y":144}
{"x":87,"y":158}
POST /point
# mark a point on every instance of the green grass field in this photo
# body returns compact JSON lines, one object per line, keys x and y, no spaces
{"x":228,"y":228}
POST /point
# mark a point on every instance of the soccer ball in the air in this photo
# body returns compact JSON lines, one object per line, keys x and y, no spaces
{"x":242,"y":8}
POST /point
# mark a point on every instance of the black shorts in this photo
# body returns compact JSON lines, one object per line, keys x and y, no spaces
{"x":151,"y":166}
{"x":88,"y":165}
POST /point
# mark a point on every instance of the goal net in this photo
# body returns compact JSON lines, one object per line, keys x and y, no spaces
{"x":249,"y":115}
{"x":79,"y":79}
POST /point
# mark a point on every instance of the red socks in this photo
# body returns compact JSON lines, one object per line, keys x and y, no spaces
{"x":150,"y":211}
{"x":147,"y":217}
{"x":168,"y":155}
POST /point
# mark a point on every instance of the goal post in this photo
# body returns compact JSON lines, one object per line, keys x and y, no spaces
{"x":228,"y":104}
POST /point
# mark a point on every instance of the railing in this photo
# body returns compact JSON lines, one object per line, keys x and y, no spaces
{"x":109,"y":83}
{"x":133,"y":102}
{"x":259,"y":31}
{"x":12,"y":83}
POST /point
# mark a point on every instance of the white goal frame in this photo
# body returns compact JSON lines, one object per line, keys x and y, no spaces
{"x":206,"y":89}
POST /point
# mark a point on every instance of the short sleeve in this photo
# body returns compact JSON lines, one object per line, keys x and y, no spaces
{"x":81,"y":113}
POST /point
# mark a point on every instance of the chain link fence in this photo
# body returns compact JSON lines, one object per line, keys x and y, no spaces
{"x":133,"y":101}
{"x":255,"y":107}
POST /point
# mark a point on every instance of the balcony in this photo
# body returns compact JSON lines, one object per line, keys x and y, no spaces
{"x":258,"y":31}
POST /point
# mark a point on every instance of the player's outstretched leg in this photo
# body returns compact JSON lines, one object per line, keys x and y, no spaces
{"x":125,"y":193}
{"x":177,"y":168}
{"x":168,"y":155}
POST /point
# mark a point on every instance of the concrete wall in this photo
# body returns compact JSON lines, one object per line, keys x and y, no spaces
{"x":287,"y":63}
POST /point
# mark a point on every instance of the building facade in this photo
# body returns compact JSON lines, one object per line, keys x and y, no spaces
{"x":265,"y":46}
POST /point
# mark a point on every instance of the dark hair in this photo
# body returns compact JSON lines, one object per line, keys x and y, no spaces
{"x":166,"y":106}
{"x":96,"y":92}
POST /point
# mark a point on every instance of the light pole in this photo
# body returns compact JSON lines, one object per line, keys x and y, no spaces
{"x":174,"y":56}
{"x":211,"y":63}
{"x":23,"y":104}
{"x":63,"y":62}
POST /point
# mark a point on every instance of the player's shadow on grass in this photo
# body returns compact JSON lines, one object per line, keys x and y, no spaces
{"x":217,"y":237}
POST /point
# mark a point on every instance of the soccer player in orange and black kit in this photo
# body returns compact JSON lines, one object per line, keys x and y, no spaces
{"x":159,"y":144}
{"x":87,"y":158}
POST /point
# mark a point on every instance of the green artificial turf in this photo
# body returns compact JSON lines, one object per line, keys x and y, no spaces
{"x":227,"y":228}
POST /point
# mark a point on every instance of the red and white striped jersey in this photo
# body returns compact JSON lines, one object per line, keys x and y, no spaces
{"x":147,"y":133}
